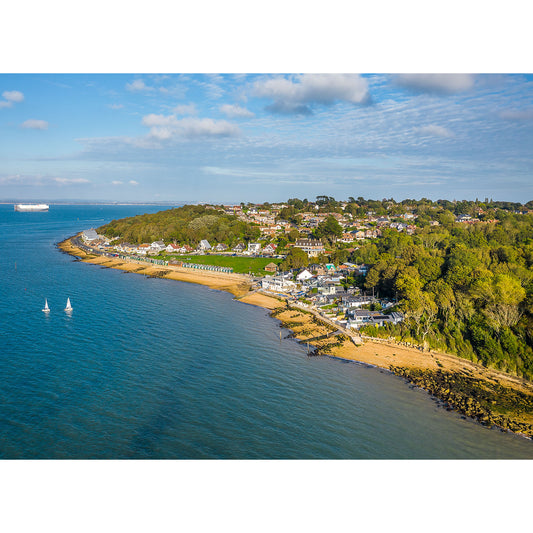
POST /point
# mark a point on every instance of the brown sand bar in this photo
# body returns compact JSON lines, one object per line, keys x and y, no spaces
{"x":308,"y":325}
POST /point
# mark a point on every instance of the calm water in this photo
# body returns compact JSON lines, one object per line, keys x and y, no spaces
{"x":150,"y":368}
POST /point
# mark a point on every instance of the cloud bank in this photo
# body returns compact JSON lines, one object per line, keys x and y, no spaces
{"x":33,"y":124}
{"x":138,"y":85}
{"x":167,"y":126}
{"x":297,"y":94}
{"x":71,"y":181}
{"x":235,"y":111}
{"x":443,"y":84}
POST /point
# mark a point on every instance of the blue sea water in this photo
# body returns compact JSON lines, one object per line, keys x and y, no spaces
{"x":149,"y":368}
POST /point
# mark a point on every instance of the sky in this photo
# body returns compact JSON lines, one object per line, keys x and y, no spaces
{"x":265,"y":137}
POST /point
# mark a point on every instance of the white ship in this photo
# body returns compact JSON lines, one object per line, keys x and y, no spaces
{"x":32,"y":207}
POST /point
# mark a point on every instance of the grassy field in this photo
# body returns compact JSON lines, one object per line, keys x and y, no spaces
{"x":240,"y":264}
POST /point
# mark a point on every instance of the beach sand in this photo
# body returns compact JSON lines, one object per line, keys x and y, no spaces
{"x":262,"y":300}
{"x":236,"y":284}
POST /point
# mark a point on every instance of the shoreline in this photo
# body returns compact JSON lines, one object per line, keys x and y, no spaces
{"x":236,"y":284}
{"x":480,"y":393}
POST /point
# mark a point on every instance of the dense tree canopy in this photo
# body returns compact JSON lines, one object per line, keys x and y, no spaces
{"x":188,"y":224}
{"x":466,"y":289}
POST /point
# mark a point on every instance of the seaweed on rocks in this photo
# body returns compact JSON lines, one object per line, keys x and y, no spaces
{"x":492,"y":404}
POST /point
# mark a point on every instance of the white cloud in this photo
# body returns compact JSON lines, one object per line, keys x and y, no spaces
{"x":185,"y":109}
{"x":115,"y":106}
{"x":166,"y":126}
{"x":294,"y":95}
{"x":13,"y":96}
{"x":207,"y":126}
{"x":34,"y":124}
{"x":435,"y":130}
{"x":120,"y":182}
{"x":214,"y":86}
{"x":154,"y":120}
{"x":138,"y":85}
{"x":70,"y":181}
{"x":235,"y":111}
{"x":436,"y":83}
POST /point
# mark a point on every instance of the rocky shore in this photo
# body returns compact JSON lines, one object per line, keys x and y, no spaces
{"x":488,"y":402}
{"x":487,"y":396}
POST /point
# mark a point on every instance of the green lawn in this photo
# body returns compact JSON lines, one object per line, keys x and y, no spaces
{"x":240,"y":264}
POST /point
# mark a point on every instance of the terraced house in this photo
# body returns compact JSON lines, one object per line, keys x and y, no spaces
{"x":312,"y":247}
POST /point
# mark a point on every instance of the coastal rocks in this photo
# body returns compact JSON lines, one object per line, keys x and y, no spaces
{"x":489,"y":403}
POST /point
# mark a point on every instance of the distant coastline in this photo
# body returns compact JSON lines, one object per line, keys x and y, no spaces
{"x":81,"y":202}
{"x":457,"y":383}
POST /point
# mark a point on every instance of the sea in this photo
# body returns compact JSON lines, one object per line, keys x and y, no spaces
{"x":147,"y":368}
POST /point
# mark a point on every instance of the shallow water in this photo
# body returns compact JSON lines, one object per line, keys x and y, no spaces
{"x":153,"y":368}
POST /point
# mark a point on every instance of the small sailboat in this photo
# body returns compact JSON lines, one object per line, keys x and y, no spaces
{"x":69,"y":307}
{"x":46,"y":308}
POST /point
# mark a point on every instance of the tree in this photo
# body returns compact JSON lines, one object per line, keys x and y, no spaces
{"x":329,"y":228}
{"x":500,"y":298}
{"x":282,"y":243}
{"x":444,"y":298}
{"x":296,"y":258}
{"x":293,"y":235}
{"x":339,"y":256}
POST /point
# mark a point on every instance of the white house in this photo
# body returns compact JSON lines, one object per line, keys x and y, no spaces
{"x":157,"y":246}
{"x":143,"y":248}
{"x":204,"y":245}
{"x":269,"y":249}
{"x":304,"y":275}
{"x":254,"y":248}
{"x":89,"y":235}
{"x":277,"y":284}
{"x":172,"y":248}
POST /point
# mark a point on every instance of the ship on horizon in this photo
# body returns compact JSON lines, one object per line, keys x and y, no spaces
{"x":32,"y":207}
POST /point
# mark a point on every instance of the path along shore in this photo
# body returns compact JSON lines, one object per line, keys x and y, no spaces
{"x":492,"y":397}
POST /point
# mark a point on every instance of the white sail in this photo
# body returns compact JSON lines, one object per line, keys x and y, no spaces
{"x":46,"y":308}
{"x":69,"y":307}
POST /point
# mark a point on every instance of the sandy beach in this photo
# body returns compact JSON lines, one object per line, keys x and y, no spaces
{"x":236,"y":284}
{"x":305,"y":326}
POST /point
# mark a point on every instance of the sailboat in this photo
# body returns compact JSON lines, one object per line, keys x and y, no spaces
{"x":46,"y":308}
{"x":69,"y":307}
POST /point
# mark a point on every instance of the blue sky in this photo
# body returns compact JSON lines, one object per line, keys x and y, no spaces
{"x":265,"y":137}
